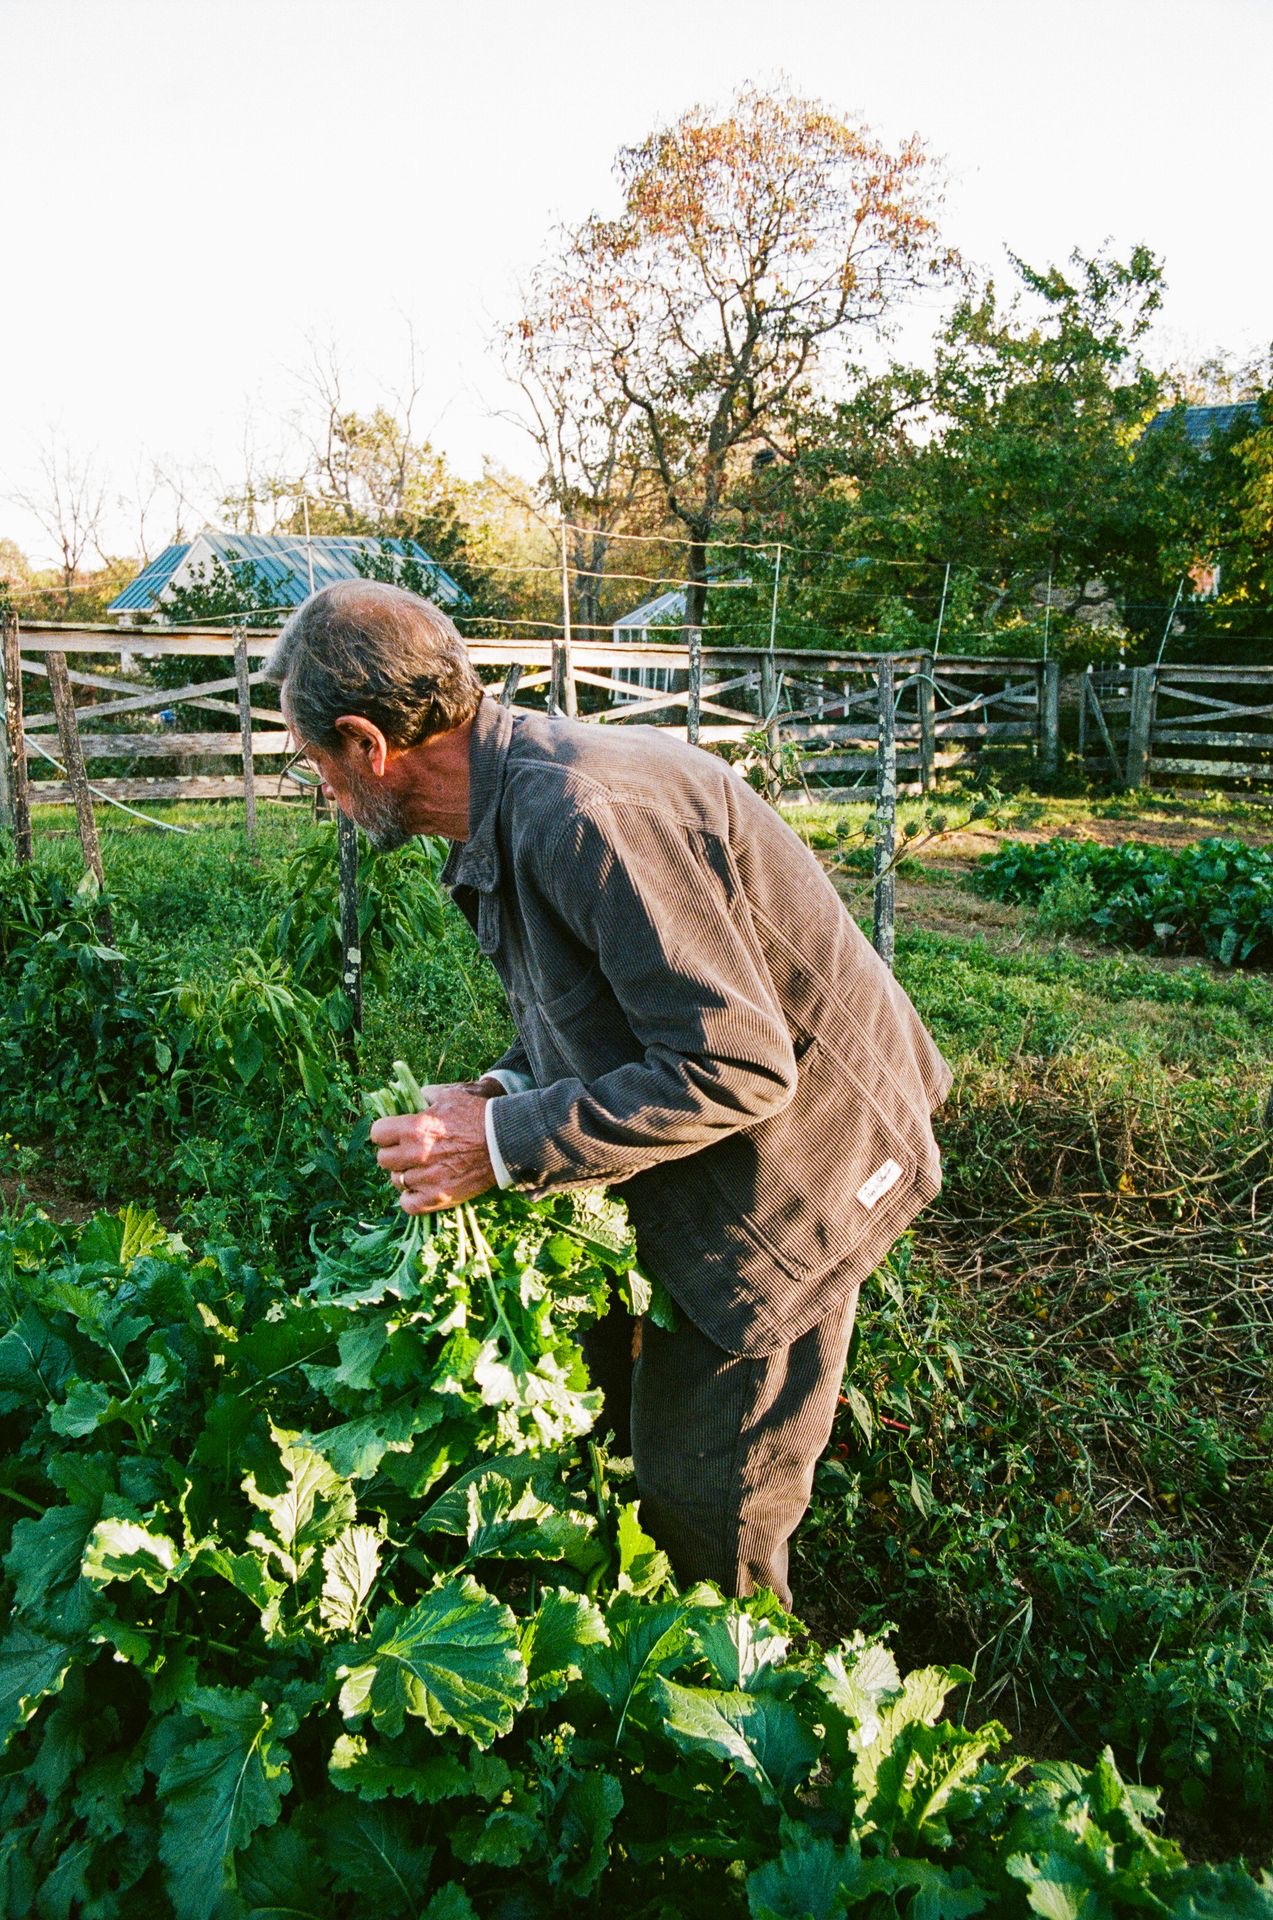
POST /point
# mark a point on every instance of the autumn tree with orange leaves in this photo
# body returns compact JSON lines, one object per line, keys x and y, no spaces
{"x":749,"y":251}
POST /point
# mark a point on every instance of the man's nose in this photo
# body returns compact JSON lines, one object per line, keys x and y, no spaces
{"x":329,"y":791}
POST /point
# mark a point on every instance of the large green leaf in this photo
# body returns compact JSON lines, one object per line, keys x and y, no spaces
{"x":218,"y":1789}
{"x":282,"y":1876}
{"x":118,"y":1239}
{"x":760,"y":1736}
{"x":396,"y":1767}
{"x":313,"y":1506}
{"x":88,"y":1406}
{"x":127,"y":1550}
{"x":350,"y":1564}
{"x":43,"y":1562}
{"x":644,"y":1569}
{"x":356,"y":1447}
{"x":805,"y":1882}
{"x":449,"y":1513}
{"x":857,"y":1679}
{"x":644,"y":1640}
{"x":453,"y":1659}
{"x":31,"y":1666}
{"x":450,"y":1903}
{"x":583,"y":1820}
{"x":553,"y":1642}
{"x":743,"y":1648}
{"x":1057,"y":1887}
{"x":249,"y":1575}
{"x":373,"y":1852}
{"x":505,"y":1523}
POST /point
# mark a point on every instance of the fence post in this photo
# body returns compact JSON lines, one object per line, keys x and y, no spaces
{"x":927,"y":722}
{"x":245,"y":735}
{"x":68,"y":734}
{"x":568,"y":702}
{"x":885,"y":817}
{"x":17,"y":812}
{"x":1050,"y":719}
{"x":772,"y":729}
{"x":694,"y":698}
{"x":512,"y":680}
{"x":1140,"y":726}
{"x":561,"y":689}
{"x":350,"y":937}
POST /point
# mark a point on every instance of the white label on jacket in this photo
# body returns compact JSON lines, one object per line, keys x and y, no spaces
{"x":879,"y":1183}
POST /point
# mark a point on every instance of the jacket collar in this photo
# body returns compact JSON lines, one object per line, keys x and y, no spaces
{"x":475,"y":862}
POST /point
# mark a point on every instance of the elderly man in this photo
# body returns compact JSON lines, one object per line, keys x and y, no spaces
{"x":701,"y":1027}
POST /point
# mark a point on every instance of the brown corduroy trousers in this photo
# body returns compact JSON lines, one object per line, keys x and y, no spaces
{"x":723,"y":1446}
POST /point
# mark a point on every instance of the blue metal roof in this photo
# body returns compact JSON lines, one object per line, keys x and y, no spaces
{"x":283,"y":561}
{"x":1204,"y":424}
{"x":141,"y":594}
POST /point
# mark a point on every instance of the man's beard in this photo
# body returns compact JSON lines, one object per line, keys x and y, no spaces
{"x":380,"y":817}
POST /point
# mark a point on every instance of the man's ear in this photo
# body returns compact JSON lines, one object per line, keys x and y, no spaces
{"x":363,"y":742}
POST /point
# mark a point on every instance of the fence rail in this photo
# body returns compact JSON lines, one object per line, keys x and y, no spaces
{"x":810,"y":719}
{"x":1134,"y":723}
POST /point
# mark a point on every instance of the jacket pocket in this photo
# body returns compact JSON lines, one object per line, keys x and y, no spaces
{"x":805,"y":1188}
{"x":585,"y":1028}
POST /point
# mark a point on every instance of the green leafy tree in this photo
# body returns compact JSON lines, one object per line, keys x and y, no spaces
{"x":220,"y":593}
{"x":1019,"y":461}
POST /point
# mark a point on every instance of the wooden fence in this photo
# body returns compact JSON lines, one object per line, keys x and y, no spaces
{"x":1193,"y":723}
{"x":810,"y":720}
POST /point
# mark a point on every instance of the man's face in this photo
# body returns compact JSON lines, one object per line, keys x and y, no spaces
{"x":371,"y":803}
{"x":393,"y":794}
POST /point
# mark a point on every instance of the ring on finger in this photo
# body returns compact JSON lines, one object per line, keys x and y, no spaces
{"x":399,"y":1180}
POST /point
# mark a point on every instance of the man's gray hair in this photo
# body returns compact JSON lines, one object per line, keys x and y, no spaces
{"x":364,"y":647}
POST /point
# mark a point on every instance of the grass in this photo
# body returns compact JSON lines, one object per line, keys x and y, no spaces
{"x":1052,"y":1460}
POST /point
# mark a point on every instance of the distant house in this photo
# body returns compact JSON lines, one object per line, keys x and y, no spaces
{"x":1204,"y":424}
{"x":291,"y":566}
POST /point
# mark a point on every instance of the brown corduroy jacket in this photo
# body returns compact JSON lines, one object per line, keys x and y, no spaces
{"x":708,"y":1031}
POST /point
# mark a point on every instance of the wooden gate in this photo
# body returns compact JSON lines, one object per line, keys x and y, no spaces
{"x":1139,"y":725}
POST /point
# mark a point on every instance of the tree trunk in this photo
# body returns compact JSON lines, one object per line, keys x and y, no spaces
{"x":696,"y":592}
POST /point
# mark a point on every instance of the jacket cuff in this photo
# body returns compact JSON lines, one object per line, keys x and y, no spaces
{"x":534,"y":1159}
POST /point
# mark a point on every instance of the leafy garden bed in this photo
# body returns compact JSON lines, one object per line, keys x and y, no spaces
{"x":316,"y":1606}
{"x":1213,"y":898}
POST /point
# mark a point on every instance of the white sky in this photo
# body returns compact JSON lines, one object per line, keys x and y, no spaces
{"x":193,"y":186}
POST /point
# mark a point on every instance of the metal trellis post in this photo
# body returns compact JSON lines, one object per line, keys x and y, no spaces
{"x":885,"y":817}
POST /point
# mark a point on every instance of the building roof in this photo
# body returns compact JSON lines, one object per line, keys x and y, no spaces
{"x":666,"y":609}
{"x":140,"y":595}
{"x":283,"y":560}
{"x":1204,"y":424}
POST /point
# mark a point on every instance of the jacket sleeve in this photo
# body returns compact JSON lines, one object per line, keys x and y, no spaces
{"x":513,"y":1060}
{"x":659,"y":907}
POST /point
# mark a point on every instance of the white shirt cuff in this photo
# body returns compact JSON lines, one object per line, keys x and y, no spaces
{"x":512,"y":1082}
{"x":509,"y":1079}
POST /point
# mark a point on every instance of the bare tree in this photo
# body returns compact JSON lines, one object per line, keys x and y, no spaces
{"x":584,"y":432}
{"x":363,"y":469}
{"x":160,"y":508}
{"x":265,"y":496}
{"x":68,"y":503}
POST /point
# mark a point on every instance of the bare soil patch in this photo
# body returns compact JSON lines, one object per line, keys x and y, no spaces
{"x":60,"y":1203}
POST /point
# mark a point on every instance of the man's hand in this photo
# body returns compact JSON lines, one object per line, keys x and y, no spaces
{"x":439,"y":1158}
